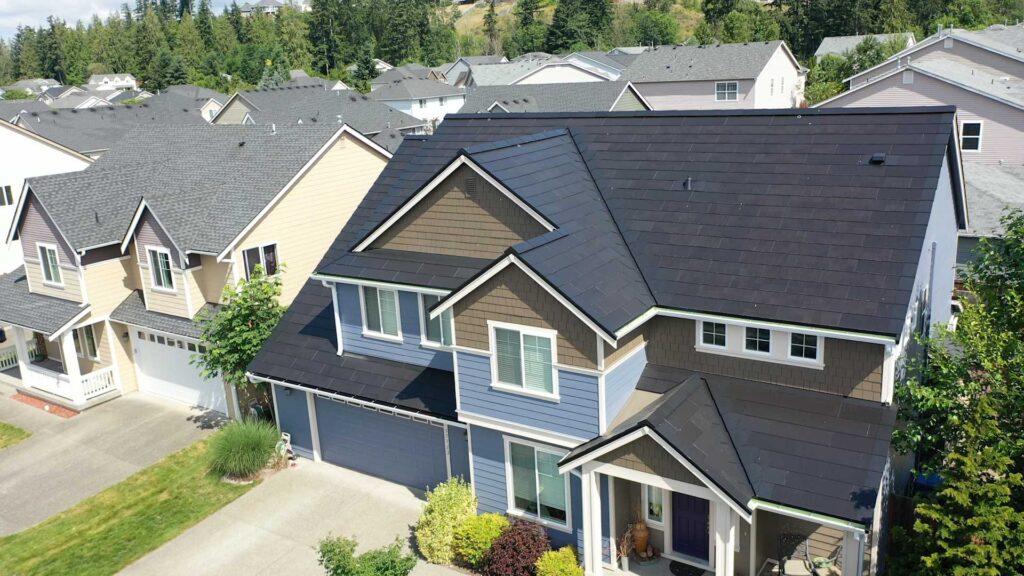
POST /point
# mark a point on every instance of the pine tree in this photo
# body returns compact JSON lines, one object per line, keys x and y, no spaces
{"x":204,"y":23}
{"x":570,"y":28}
{"x":189,"y":46}
{"x":6,"y":64}
{"x":184,"y":7}
{"x":293,"y":36}
{"x":234,"y":16}
{"x":526,"y":12}
{"x":491,"y":29}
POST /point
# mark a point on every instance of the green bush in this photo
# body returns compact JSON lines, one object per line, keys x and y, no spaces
{"x":474,"y":537}
{"x":338,"y":557}
{"x":448,"y":506}
{"x":243,"y":448}
{"x":560,"y":562}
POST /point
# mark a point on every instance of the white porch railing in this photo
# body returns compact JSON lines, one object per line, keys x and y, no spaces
{"x":9,"y":354}
{"x":98,"y":382}
{"x":48,"y":381}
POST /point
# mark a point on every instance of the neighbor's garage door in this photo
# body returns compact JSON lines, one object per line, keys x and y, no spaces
{"x":398,"y":449}
{"x":164,"y":370}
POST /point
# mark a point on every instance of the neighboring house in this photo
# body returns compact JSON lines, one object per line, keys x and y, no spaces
{"x":123,"y":257}
{"x":34,"y":86}
{"x":265,"y":6}
{"x":107,"y":82}
{"x":25,"y":155}
{"x":202,"y":102}
{"x":50,"y":95}
{"x":748,"y":75}
{"x":610,"y":64}
{"x":10,"y":111}
{"x":456,"y":73}
{"x":682,"y":316}
{"x":533,"y":68}
{"x":991,"y":191}
{"x":840,"y":45}
{"x":313,"y":105}
{"x":428,"y":100}
{"x":410,"y":71}
{"x":573,"y":97}
{"x":80,"y":101}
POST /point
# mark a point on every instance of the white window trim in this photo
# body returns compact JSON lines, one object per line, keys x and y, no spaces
{"x":152,"y":279}
{"x":44,"y":264}
{"x":423,"y":325}
{"x":801,"y":359}
{"x":771,"y":345}
{"x":781,"y":350}
{"x":398,"y":315}
{"x":665,"y":504}
{"x":523,"y":330}
{"x":263,"y":260}
{"x":726,"y":90}
{"x":510,"y":495}
{"x":700,"y":335}
{"x":980,"y":136}
{"x":81,"y":339}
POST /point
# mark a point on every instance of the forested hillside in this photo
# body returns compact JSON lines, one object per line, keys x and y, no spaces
{"x":166,"y":43}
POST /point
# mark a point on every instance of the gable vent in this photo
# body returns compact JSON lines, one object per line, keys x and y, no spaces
{"x":471,"y":186}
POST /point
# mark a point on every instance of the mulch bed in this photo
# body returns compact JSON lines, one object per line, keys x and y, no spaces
{"x":44,"y":405}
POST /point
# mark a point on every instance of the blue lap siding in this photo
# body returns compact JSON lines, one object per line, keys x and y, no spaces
{"x":574,"y":414}
{"x":409,"y":350}
{"x":293,"y":418}
{"x":620,"y":382}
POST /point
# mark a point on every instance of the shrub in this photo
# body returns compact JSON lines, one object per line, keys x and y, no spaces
{"x":243,"y":448}
{"x":474,"y":537}
{"x":516,"y":551}
{"x":338,"y":557}
{"x":448,"y":505}
{"x":559,"y":563}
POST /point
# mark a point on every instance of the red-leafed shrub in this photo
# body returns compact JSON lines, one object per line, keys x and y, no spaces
{"x":516,"y":551}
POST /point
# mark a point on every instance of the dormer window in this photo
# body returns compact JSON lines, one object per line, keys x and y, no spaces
{"x":160,"y":269}
{"x":380,"y":313}
{"x":51,"y":265}
{"x":743,"y":340}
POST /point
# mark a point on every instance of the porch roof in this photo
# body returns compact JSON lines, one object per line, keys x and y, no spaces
{"x":134,"y":313}
{"x":817,"y":452}
{"x":38,"y":312}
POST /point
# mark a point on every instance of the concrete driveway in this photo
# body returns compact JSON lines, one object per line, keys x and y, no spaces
{"x":275,"y":528}
{"x":68,"y":460}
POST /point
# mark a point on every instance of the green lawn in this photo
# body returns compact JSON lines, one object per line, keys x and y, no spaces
{"x":114,"y":528}
{"x":11,"y":435}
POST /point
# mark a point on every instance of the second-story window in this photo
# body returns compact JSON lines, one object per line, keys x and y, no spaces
{"x":803,"y":346}
{"x":436,"y":330}
{"x":160,"y":269}
{"x":713,"y":334}
{"x":380,"y":312}
{"x":727,"y":91}
{"x":50,"y":263}
{"x":6,"y":196}
{"x":423,"y":103}
{"x":524,"y":359}
{"x":265,"y":256}
{"x":759,"y":340}
{"x":970,"y":136}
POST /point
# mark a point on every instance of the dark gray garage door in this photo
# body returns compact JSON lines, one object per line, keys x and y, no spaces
{"x":397,"y":449}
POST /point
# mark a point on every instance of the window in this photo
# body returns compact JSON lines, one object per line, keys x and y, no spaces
{"x":85,"y":342}
{"x":524,"y":360}
{"x":727,"y":91}
{"x":803,"y":346}
{"x":537,"y":490}
{"x":423,"y":103}
{"x":160,"y":269}
{"x":759,"y":340}
{"x":380,"y":312}
{"x":654,"y":505}
{"x":191,"y":347}
{"x":714,"y":334}
{"x":435,"y":330}
{"x":6,"y":196}
{"x":51,"y":266}
{"x":442,"y":100}
{"x":970,"y":136}
{"x":265,"y":256}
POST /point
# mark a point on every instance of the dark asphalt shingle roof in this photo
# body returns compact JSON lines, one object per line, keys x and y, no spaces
{"x":203,"y":205}
{"x":10,"y":109}
{"x":412,"y":88}
{"x":771,"y":215}
{"x":134,"y":313}
{"x":303,"y":350}
{"x":817,"y":452}
{"x":705,"y":62}
{"x":567,"y":97}
{"x":37,"y":312}
{"x":313,"y":104}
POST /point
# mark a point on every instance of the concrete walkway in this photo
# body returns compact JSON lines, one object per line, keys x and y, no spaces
{"x":275,"y":528}
{"x":68,"y":460}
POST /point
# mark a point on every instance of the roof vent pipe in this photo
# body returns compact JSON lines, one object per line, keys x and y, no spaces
{"x":273,"y":128}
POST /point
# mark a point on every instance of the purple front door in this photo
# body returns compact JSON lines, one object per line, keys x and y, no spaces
{"x":690,"y":526}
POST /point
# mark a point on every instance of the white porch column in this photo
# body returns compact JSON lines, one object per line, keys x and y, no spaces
{"x":853,"y":553}
{"x":592,"y":564}
{"x":21,"y":348}
{"x":725,"y":539}
{"x":70,"y":359}
{"x":314,"y":431}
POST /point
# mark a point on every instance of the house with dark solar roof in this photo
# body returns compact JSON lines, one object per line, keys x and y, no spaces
{"x":122,"y":259}
{"x":695,"y":320}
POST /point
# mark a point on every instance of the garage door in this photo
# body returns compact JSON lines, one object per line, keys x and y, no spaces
{"x":398,"y":449}
{"x":164,"y":370}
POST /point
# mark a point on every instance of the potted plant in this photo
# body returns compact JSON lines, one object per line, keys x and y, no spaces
{"x":625,"y":547}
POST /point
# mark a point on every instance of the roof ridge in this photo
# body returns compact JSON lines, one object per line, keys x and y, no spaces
{"x":732,"y":442}
{"x":513,"y":141}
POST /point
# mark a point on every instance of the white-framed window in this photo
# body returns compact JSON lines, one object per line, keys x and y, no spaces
{"x":435,"y":331}
{"x":6,"y":196}
{"x":523,"y":359}
{"x":85,"y":342}
{"x":535,"y":488}
{"x":160,"y":269}
{"x":713,"y":334}
{"x":265,"y":256}
{"x":51,"y":264}
{"x":803,"y":346}
{"x":423,"y":103}
{"x":654,"y":506}
{"x":727,"y":91}
{"x":970,"y":136}
{"x":758,"y":340}
{"x":380,"y":313}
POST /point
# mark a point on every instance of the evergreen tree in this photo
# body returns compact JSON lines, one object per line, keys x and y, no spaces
{"x":149,"y":43}
{"x":526,"y":12}
{"x":715,"y":10}
{"x":365,"y":68}
{"x":204,"y":23}
{"x":184,"y":7}
{"x":188,"y":45}
{"x":491,"y":29}
{"x":653,"y":27}
{"x":439,"y":45}
{"x":6,"y":64}
{"x":600,"y":13}
{"x":293,"y":36}
{"x":234,"y":17}
{"x":570,"y":28}
{"x":25,"y":51}
{"x":530,"y":33}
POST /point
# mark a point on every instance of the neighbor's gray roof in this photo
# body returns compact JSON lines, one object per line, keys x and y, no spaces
{"x":204,"y":183}
{"x":841,"y":44}
{"x":33,"y":83}
{"x":183,"y":98}
{"x":783,"y":219}
{"x":817,"y":452}
{"x":998,"y":37}
{"x":565,"y":97}
{"x":134,"y":313}
{"x":476,"y":60}
{"x":413,"y":88}
{"x":614,"y":61}
{"x":706,"y":62}
{"x":74,"y":100}
{"x":508,"y":72}
{"x":98,"y":78}
{"x":58,"y":91}
{"x":991,"y":190}
{"x":313,"y":104}
{"x":410,"y":70}
{"x":34,"y":311}
{"x":988,"y":81}
{"x":10,"y":109}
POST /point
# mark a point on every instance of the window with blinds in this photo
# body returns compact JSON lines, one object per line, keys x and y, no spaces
{"x":524,"y":360}
{"x":380,"y":312}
